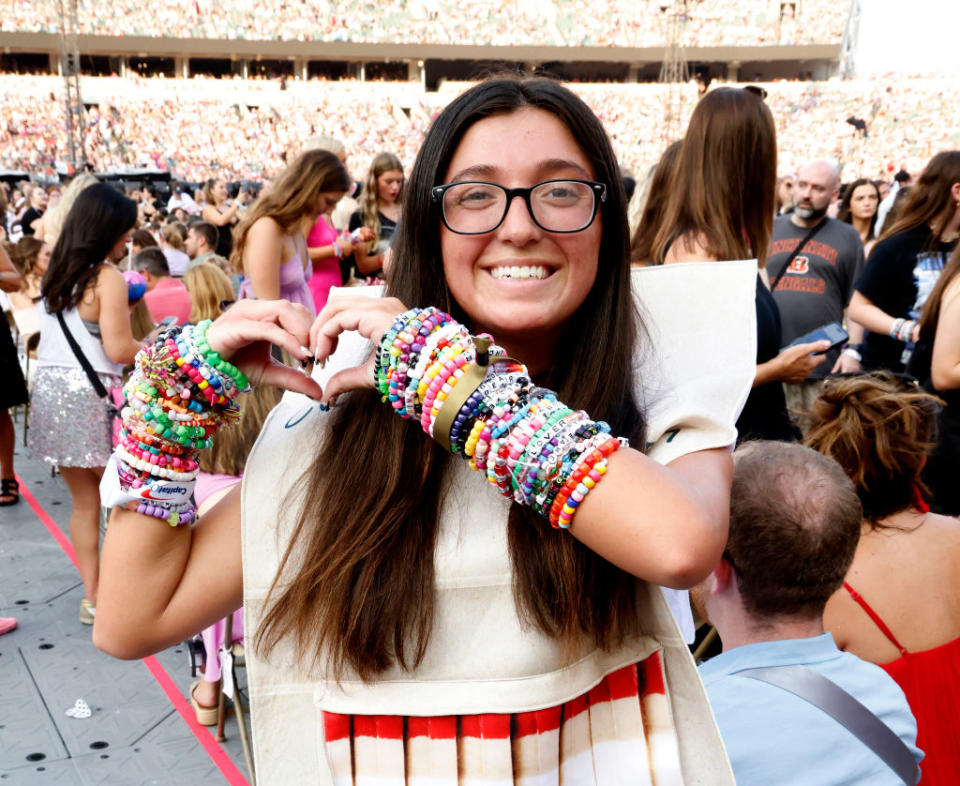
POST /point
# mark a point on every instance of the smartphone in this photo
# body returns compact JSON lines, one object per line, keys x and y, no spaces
{"x":832,"y":332}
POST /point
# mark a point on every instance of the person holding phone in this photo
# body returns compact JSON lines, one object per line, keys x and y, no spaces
{"x":721,"y":209}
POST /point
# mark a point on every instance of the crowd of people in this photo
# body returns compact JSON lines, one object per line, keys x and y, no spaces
{"x":782,"y":440}
{"x":162,"y":123}
{"x":507,"y":23}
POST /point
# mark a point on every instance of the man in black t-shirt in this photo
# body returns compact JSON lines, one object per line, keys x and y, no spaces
{"x":815,"y":287}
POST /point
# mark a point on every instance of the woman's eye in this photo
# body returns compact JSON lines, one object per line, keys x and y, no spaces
{"x":475,"y":198}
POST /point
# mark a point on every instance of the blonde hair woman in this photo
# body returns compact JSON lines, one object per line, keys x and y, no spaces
{"x":380,"y":204}
{"x":48,"y":230}
{"x":208,"y":286}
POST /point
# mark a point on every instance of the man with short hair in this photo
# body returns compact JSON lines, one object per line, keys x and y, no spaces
{"x":794,"y":526}
{"x":201,"y":244}
{"x":166,"y":296}
{"x":813,"y":263}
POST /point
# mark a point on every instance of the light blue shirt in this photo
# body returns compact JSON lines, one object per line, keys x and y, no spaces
{"x":775,"y":738}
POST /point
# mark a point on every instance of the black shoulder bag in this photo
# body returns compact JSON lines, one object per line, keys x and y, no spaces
{"x":88,"y":369}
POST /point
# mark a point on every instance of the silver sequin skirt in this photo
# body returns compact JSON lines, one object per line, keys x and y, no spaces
{"x":69,"y":423}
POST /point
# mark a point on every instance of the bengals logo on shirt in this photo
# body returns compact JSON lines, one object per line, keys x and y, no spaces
{"x":800,"y":266}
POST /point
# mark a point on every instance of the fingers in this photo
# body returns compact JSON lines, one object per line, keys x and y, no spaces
{"x":291,"y":379}
{"x":371,"y":317}
{"x":248,"y":321}
{"x":249,"y":332}
{"x":348,"y":379}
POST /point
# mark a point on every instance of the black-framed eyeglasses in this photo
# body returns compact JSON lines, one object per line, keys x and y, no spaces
{"x":475,"y":207}
{"x":757,"y":91}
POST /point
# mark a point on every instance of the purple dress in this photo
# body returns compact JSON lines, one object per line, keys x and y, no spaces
{"x":293,"y":283}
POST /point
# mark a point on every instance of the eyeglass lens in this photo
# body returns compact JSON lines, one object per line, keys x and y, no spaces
{"x":558,"y":206}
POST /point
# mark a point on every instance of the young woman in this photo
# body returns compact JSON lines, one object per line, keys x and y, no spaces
{"x":222,"y":213}
{"x":69,"y":423}
{"x":905,"y":264}
{"x":32,"y":259}
{"x":328,"y":248}
{"x":410,"y":591}
{"x":380,"y":205}
{"x":51,"y":222}
{"x":270,"y":249}
{"x":859,"y":207}
{"x":719,"y":208}
{"x":898,"y":607}
{"x":221,"y":468}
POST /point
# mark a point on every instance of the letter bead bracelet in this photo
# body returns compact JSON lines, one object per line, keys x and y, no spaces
{"x":482,"y":406}
{"x":179,"y":395}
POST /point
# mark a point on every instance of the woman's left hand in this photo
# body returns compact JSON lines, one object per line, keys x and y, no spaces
{"x":370,"y":317}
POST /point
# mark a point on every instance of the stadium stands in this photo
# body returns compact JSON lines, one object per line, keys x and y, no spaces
{"x":613,"y":23}
{"x":241,"y":129}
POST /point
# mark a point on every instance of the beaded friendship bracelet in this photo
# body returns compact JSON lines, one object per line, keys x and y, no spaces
{"x":481,"y":405}
{"x":179,"y":394}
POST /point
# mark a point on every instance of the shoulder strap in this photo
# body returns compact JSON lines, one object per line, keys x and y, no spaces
{"x":803,"y":242}
{"x":826,"y":695}
{"x":876,"y":618}
{"x":81,"y":358}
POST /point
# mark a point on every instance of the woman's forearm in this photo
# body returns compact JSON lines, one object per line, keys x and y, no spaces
{"x":870,"y":316}
{"x":160,"y":585}
{"x":676,"y":535}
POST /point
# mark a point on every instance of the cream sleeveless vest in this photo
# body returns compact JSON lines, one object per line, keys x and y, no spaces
{"x":700,"y":322}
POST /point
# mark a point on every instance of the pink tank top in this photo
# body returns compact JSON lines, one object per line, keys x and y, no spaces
{"x":326,"y":272}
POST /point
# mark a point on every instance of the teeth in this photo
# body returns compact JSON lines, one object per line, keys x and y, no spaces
{"x":518,"y":272}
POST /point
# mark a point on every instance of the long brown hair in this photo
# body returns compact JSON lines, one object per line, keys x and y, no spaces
{"x":100,"y":216}
{"x":291,"y":197}
{"x":641,"y":246}
{"x":723,"y":191}
{"x":929,"y":202}
{"x":364,"y":589}
{"x":930,"y":317}
{"x":370,"y":196}
{"x":880,"y":429}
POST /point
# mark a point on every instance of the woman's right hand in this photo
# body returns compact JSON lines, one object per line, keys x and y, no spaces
{"x":796,"y":362}
{"x":245,"y":332}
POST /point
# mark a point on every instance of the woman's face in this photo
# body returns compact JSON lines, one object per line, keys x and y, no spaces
{"x":43,"y":259}
{"x":326,"y":202}
{"x":220,"y":191}
{"x":389,"y":186}
{"x":864,"y":201}
{"x":518,"y":281}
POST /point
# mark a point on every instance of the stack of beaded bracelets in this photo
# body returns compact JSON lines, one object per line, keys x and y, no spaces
{"x":180,"y":393}
{"x":902,"y":329}
{"x":482,"y":406}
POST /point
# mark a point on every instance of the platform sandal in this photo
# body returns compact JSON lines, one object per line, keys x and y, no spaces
{"x":9,"y":488}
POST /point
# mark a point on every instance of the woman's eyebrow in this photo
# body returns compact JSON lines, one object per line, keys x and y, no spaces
{"x":544,"y":168}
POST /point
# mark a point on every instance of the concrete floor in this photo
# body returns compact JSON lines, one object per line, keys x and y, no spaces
{"x":142,"y":729}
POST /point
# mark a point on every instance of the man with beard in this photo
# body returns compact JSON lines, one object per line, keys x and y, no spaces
{"x":813,"y":263}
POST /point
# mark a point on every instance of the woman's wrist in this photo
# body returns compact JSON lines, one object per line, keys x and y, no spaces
{"x":483,"y":406}
{"x":180,"y":393}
